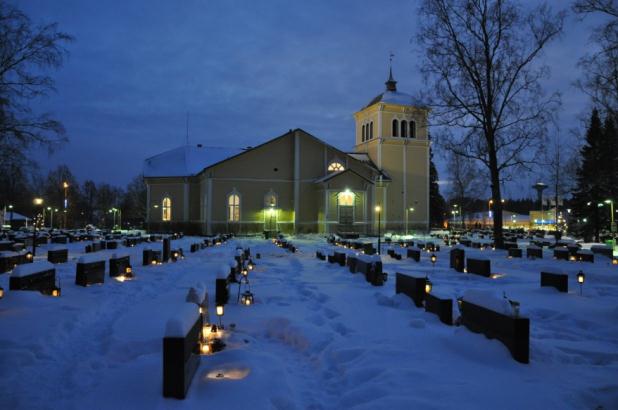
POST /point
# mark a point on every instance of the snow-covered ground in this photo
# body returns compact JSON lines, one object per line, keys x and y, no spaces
{"x":318,"y":337}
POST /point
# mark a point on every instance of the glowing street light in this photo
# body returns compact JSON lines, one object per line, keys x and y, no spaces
{"x":378,"y":210}
{"x":65,"y":186}
{"x":38,"y":202}
{"x":408,"y":211}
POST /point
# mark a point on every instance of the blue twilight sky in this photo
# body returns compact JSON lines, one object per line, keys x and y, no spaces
{"x":246,"y":71}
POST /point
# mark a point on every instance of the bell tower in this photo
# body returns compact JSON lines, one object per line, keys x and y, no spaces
{"x":392,"y":131}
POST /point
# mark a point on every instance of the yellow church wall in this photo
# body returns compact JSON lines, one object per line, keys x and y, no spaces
{"x":272,"y":160}
{"x":166,"y":187}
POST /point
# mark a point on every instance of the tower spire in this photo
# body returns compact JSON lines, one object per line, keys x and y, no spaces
{"x":391,"y":84}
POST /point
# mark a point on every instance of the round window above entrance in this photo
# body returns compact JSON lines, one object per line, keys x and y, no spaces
{"x":335,"y":167}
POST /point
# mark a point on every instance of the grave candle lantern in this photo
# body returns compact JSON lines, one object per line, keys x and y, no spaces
{"x":220,"y":313}
{"x":205,"y":348}
{"x":247,"y":298}
{"x":428,"y":285}
{"x":580,"y":279}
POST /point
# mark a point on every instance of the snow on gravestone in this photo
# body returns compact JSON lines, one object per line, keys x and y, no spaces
{"x":90,"y":258}
{"x":489,"y":300}
{"x":119,"y":255}
{"x":184,"y":318}
{"x":369,"y":258}
{"x":31,"y":268}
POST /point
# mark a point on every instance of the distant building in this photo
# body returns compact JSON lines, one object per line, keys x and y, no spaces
{"x":510,"y":220}
{"x":298,"y":183}
{"x":14,"y":219}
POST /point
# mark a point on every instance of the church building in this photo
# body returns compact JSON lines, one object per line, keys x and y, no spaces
{"x":297,"y":183}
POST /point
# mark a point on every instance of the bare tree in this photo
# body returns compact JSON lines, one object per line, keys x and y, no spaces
{"x":561,"y":168}
{"x":134,"y":201}
{"x":26,"y":52}
{"x":608,"y":7}
{"x":481,"y":64}
{"x":600,"y":68}
{"x":465,"y":183}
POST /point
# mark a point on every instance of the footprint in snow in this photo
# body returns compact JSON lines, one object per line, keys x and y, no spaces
{"x":331,"y":314}
{"x":340,"y":328}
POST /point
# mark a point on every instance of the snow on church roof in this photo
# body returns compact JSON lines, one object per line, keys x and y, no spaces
{"x":186,"y":161}
{"x":393,"y":97}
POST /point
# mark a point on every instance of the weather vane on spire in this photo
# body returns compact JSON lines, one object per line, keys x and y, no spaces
{"x":391,"y":84}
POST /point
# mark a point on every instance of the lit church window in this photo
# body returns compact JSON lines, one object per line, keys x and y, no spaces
{"x":167,"y":209}
{"x":271,"y":200}
{"x":233,"y":203}
{"x":346,"y":198}
{"x":335,"y":167}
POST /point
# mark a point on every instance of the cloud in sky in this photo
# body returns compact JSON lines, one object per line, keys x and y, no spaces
{"x":246,"y":71}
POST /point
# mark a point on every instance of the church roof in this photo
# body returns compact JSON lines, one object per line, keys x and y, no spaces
{"x":186,"y":161}
{"x":328,"y":177}
{"x":365,"y":159}
{"x":391,"y":95}
{"x":190,"y":160}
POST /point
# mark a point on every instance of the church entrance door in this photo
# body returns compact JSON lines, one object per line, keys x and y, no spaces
{"x":346,"y":218}
{"x":270,"y":220}
{"x":345,"y":202}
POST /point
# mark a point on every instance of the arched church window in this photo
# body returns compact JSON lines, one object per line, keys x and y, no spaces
{"x":371,"y":130}
{"x":270,"y":200}
{"x":345,"y":198}
{"x":363,"y":133}
{"x":412,"y":129}
{"x":404,"y":129}
{"x":233,"y":206}
{"x":395,"y":128}
{"x":335,"y":167}
{"x":166,"y":208}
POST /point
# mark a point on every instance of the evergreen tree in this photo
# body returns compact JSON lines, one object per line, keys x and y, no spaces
{"x":610,"y":159}
{"x":437,"y":205}
{"x":590,"y":187}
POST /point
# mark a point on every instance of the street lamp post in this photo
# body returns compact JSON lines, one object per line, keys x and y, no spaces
{"x":11,"y":216}
{"x":65,"y":186}
{"x":408,"y":210}
{"x":115,"y":211}
{"x":491,"y":202}
{"x":37,"y":203}
{"x":612,"y":226}
{"x":378,"y":210}
{"x":51,"y":216}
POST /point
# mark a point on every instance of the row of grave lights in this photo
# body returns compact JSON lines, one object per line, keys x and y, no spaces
{"x":211,"y":335}
{"x":127,"y":275}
